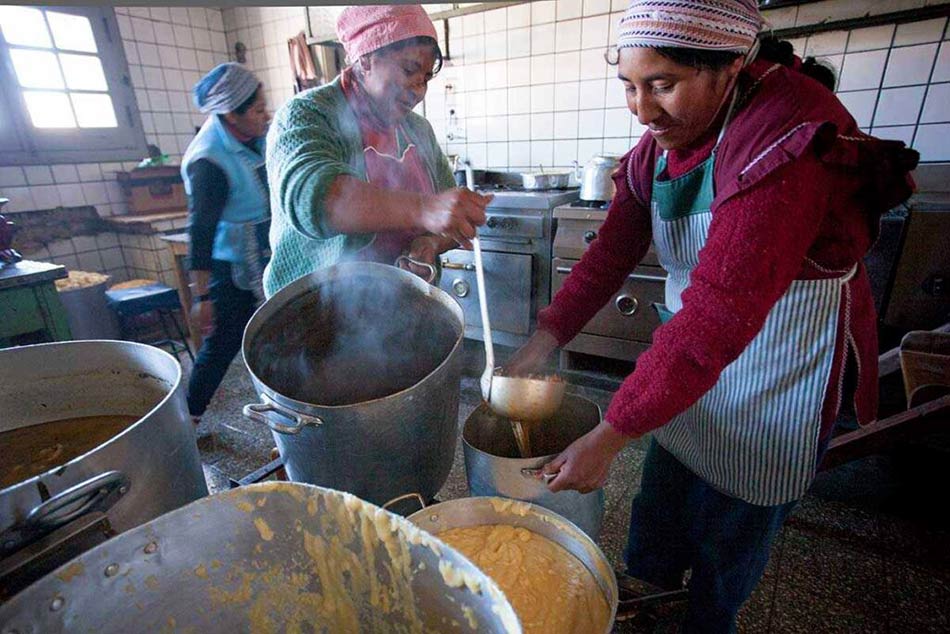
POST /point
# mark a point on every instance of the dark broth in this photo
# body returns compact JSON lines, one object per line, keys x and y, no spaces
{"x":30,"y":451}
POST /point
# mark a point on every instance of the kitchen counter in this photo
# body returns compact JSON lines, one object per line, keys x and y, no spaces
{"x":29,"y":273}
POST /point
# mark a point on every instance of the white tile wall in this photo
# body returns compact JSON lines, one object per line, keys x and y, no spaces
{"x":555,"y":65}
{"x":162,"y":49}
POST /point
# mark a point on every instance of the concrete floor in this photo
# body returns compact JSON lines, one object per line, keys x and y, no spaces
{"x":859,"y":553}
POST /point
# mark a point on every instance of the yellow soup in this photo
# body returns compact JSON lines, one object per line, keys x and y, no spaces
{"x":550,"y":589}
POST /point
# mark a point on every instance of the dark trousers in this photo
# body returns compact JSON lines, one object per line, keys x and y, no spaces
{"x":233,"y":308}
{"x":679,"y":522}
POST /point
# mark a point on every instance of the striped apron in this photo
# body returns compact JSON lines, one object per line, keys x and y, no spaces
{"x":754,"y":435}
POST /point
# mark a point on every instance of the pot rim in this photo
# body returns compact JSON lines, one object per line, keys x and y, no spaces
{"x":304,"y":284}
{"x":534,"y":460}
{"x":611,"y":593}
{"x":110,"y":343}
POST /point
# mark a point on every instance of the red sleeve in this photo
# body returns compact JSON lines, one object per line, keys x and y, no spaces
{"x":756,"y":245}
{"x":621,"y":243}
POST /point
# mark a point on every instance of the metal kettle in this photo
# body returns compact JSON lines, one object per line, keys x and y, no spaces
{"x":595,"y":179}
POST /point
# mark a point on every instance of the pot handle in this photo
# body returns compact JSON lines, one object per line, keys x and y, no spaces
{"x":405,"y":259}
{"x":262,"y":413}
{"x":98,"y":493}
{"x":408,"y":496}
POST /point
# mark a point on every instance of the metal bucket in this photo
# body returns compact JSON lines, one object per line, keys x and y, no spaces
{"x":88,"y":312}
{"x":477,"y":511}
{"x":358,"y":367}
{"x":494,"y":467}
{"x":149,"y":468}
{"x":272,"y":557}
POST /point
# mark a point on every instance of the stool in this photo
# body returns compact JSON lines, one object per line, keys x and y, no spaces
{"x":139,"y":297}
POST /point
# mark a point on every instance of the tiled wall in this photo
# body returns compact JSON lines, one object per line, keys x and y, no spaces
{"x":167,"y":49}
{"x":528,"y":85}
{"x":265,"y":31}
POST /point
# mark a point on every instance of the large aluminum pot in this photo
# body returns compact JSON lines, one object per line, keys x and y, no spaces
{"x":272,"y":557}
{"x":149,"y":468}
{"x":478,"y":511}
{"x":494,"y":465}
{"x":358,"y":366}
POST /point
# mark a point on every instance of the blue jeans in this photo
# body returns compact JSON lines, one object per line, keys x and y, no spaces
{"x":678,"y":522}
{"x":233,"y":308}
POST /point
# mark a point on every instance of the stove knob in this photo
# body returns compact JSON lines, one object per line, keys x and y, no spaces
{"x":460,"y":287}
{"x":492,"y":222}
{"x":627,"y":305}
{"x":590,"y":236}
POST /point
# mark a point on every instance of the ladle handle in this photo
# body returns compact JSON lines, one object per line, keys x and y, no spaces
{"x":483,"y":304}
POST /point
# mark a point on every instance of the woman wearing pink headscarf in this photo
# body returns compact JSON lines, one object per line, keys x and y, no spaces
{"x":353,"y":171}
{"x":761,"y":196}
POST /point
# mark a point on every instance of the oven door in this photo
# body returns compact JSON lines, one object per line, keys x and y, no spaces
{"x":629,"y":314}
{"x":507,"y":283}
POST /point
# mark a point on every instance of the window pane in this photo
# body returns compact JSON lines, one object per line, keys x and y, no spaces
{"x":72,"y":32}
{"x":36,"y":69}
{"x":24,"y":26}
{"x":94,"y":111}
{"x":83,"y":72}
{"x":49,"y":109}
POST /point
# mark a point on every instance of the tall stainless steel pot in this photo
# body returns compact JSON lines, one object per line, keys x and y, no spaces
{"x":149,"y":468}
{"x":272,"y":557}
{"x":358,"y":367}
{"x":494,"y":465}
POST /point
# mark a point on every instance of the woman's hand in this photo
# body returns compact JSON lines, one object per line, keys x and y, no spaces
{"x":454,"y":213}
{"x":529,"y":358}
{"x":584,"y":465}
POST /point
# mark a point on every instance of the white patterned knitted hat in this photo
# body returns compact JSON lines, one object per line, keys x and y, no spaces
{"x":713,"y":25}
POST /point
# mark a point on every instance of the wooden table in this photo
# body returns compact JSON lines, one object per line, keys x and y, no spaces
{"x":178,"y":244}
{"x":30,"y":303}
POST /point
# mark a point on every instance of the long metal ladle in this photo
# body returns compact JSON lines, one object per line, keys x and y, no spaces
{"x":516,"y":398}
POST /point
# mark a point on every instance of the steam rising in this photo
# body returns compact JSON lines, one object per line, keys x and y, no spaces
{"x":353,"y":340}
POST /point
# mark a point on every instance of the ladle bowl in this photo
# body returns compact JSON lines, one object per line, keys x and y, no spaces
{"x":526,"y":399}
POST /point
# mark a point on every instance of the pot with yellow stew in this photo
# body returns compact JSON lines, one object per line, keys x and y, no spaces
{"x":271,"y":557}
{"x":557,"y":580}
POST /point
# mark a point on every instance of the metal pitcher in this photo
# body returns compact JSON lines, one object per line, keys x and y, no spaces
{"x":595,"y":179}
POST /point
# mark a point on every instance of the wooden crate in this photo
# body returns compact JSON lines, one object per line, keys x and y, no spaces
{"x":151,"y":190}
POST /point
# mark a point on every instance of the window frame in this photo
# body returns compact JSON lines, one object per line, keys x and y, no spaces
{"x":22,"y":144}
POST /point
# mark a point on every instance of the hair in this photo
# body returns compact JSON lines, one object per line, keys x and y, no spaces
{"x":770,"y":48}
{"x":246,"y":105}
{"x":415,"y":41}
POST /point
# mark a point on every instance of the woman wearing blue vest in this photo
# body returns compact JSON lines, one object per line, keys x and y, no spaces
{"x":226,"y":182}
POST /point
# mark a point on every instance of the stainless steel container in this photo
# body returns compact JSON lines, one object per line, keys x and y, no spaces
{"x":88,"y":312}
{"x":273,"y":557}
{"x":494,"y":467}
{"x":546,"y":180}
{"x":477,"y":511}
{"x":358,"y":366}
{"x":148,"y":469}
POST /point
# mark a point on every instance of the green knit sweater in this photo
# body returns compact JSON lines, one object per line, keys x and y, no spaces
{"x":314,"y":138}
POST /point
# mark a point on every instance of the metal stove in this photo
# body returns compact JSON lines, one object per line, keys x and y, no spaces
{"x":516,"y":249}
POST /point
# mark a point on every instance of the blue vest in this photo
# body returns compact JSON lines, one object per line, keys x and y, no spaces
{"x":247,"y":199}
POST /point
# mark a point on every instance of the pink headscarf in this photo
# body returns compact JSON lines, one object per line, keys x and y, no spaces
{"x":364,"y":29}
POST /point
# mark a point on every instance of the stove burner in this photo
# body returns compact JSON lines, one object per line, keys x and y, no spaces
{"x":590,"y":204}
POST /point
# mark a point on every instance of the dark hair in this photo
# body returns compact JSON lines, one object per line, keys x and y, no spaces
{"x":770,"y":48}
{"x":415,"y":41}
{"x":244,"y":107}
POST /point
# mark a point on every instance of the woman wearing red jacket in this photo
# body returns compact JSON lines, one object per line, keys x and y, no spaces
{"x":761,"y":196}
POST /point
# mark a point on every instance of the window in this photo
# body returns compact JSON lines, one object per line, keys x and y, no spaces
{"x":71,"y":98}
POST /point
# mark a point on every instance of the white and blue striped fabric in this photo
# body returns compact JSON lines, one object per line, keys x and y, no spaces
{"x":754,"y":435}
